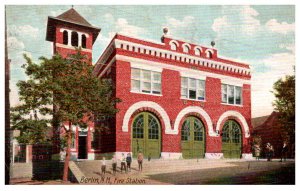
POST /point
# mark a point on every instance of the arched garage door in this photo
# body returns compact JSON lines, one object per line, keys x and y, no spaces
{"x":192,"y":138}
{"x":231,"y":139}
{"x":146,"y":135}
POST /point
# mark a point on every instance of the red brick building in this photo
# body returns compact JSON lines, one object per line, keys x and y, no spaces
{"x":179,"y":99}
{"x":269,"y":130}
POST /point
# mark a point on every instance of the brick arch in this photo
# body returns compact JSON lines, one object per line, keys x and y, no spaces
{"x":195,"y":109}
{"x":237,"y":117}
{"x":154,"y":107}
{"x":149,"y":110}
{"x":198,"y":116}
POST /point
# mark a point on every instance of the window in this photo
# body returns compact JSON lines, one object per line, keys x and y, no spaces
{"x":83,"y":41}
{"x":73,"y":144}
{"x":185,"y":131}
{"x":152,"y":128}
{"x":197,"y":52}
{"x":138,"y":127}
{"x":209,"y":54}
{"x":65,"y":37}
{"x":198,"y":130}
{"x":145,"y":81}
{"x":74,"y":38}
{"x":186,"y":49}
{"x":231,"y":94}
{"x":192,"y":88}
{"x":173,"y":46}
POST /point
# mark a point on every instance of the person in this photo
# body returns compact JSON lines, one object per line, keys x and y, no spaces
{"x":140,"y":159}
{"x":123,"y":163}
{"x":128,"y":161}
{"x":103,"y":166}
{"x":270,"y":151}
{"x":257,"y":151}
{"x":114,"y":164}
{"x":284,"y":151}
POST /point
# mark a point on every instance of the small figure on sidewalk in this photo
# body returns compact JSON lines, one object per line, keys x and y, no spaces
{"x":257,"y":151}
{"x":114,"y":164}
{"x":140,"y":159}
{"x":103,"y":166}
{"x":284,"y":151}
{"x":128,"y":161}
{"x":123,"y":163}
{"x":270,"y":151}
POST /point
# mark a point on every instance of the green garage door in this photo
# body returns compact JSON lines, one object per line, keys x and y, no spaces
{"x":231,"y":140}
{"x":192,"y":138}
{"x":146,"y":135}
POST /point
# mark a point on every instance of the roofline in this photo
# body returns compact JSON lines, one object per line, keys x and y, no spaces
{"x":93,"y":27}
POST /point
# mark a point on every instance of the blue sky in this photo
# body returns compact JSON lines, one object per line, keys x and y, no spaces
{"x":263,"y":36}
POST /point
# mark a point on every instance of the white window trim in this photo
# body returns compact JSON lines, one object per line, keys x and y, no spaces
{"x":186,"y":48}
{"x":174,"y":42}
{"x":234,"y":98}
{"x":141,"y":82}
{"x":197,"y":88}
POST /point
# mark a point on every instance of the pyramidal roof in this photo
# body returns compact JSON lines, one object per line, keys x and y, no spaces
{"x":73,"y":16}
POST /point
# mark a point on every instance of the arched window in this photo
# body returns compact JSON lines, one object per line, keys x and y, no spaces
{"x":74,"y":39}
{"x":83,"y":41}
{"x":208,"y":54}
{"x":173,"y":46}
{"x":197,"y":52}
{"x":65,"y":37}
{"x":186,"y":49}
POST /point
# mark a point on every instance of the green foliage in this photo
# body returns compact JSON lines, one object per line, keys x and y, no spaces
{"x":65,"y":90}
{"x":284,"y":91}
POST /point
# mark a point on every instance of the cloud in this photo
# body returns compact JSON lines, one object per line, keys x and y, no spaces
{"x":13,"y":44}
{"x":281,"y":28}
{"x":124,"y":27}
{"x":237,"y":20}
{"x":24,"y":30}
{"x":185,"y":27}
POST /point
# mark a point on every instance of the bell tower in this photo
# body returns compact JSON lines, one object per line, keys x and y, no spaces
{"x":69,"y":31}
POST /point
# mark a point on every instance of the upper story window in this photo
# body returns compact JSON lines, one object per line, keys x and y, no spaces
{"x":173,"y":46}
{"x":74,"y":39}
{"x":197,"y":52}
{"x":65,"y":37}
{"x":192,"y":88}
{"x":186,"y":49}
{"x":209,"y":54}
{"x":231,"y":94}
{"x":145,"y":81}
{"x":83,"y":41}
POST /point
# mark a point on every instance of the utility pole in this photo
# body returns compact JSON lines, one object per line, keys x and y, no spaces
{"x":7,"y":111}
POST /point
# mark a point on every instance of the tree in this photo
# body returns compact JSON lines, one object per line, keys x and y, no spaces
{"x":284,"y":91}
{"x":67,"y":90}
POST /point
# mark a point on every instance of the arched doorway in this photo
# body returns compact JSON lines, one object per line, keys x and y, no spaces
{"x":192,"y":138}
{"x":146,"y":135}
{"x":231,"y":139}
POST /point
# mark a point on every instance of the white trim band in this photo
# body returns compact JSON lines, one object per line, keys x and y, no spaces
{"x":180,"y":69}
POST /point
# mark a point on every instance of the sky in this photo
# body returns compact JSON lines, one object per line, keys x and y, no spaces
{"x":261,"y":35}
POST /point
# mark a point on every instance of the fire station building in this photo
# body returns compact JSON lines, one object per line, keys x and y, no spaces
{"x":179,"y":99}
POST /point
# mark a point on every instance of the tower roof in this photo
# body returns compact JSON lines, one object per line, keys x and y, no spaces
{"x":74,"y":17}
{"x":71,"y":17}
